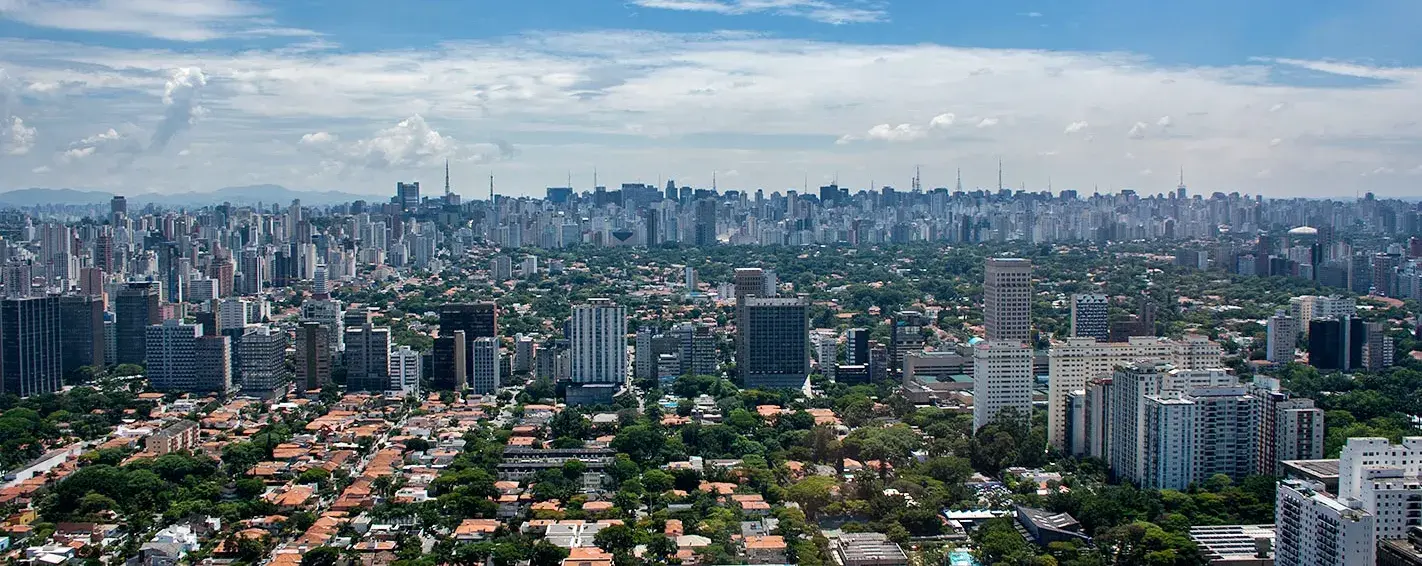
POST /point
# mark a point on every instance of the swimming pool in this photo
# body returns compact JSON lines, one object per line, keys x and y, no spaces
{"x":960,"y":557}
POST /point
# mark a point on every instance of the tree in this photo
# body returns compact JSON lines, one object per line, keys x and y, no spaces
{"x":569,"y":424}
{"x":545,"y":553}
{"x":641,"y":442}
{"x":321,"y":556}
{"x":615,"y":539}
{"x":812,"y":493}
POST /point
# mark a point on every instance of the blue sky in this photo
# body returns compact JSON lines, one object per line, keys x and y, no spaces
{"x":1301,"y":98}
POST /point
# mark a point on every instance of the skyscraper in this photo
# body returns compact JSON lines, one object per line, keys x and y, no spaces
{"x":1007,"y":299}
{"x":313,"y":356}
{"x":857,"y":347}
{"x":484,"y":366}
{"x":905,"y":337}
{"x":1312,"y":527}
{"x":1283,"y":336}
{"x":775,"y":336}
{"x":599,"y":349}
{"x":82,"y":342}
{"x":367,"y":358}
{"x":1002,"y":379}
{"x":180,"y":358}
{"x":407,"y":195}
{"x":30,"y":338}
{"x":1089,"y":316}
{"x":261,"y":361}
{"x":135,"y":309}
{"x":405,"y":370}
{"x":450,"y":361}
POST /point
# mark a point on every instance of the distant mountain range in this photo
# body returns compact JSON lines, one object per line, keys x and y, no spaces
{"x":23,"y":198}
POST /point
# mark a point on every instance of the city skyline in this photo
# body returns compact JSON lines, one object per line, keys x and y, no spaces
{"x":775,"y":94}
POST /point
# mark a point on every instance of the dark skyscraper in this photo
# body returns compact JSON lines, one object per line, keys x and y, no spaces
{"x":449,"y":359}
{"x":776,"y":339}
{"x":135,"y":309}
{"x":474,"y":320}
{"x":30,"y":361}
{"x":82,"y":343}
{"x":705,"y":227}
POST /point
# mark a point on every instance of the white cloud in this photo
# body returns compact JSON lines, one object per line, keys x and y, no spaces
{"x":1275,"y":142}
{"x":1075,"y":127}
{"x":318,"y":138}
{"x":412,"y":143}
{"x":1030,"y":14}
{"x":1146,"y":172}
{"x":1163,"y":122}
{"x":824,"y":11}
{"x":108,"y":142}
{"x":901,"y":132}
{"x":1138,"y":131}
{"x":42,"y":169}
{"x":181,"y":108}
{"x":846,"y":139}
{"x":987,"y":123}
{"x":1278,"y":107}
{"x":942,"y":120}
{"x":175,"y":20}
{"x":18,"y":138}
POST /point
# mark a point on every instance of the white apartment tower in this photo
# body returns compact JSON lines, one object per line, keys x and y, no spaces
{"x":599,"y":342}
{"x":1314,"y":529}
{"x":1002,"y":379}
{"x":483,"y":363}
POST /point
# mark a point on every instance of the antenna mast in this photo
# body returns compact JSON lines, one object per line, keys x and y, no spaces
{"x":446,"y":178}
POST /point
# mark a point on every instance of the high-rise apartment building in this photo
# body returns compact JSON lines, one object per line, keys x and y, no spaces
{"x":1002,"y":379}
{"x":1007,"y":299}
{"x":1090,"y":316}
{"x":1073,"y":362}
{"x":1313,"y":528}
{"x":599,"y":342}
{"x":1283,"y":336}
{"x":367,"y":358}
{"x":261,"y":361}
{"x":1311,"y":307}
{"x":30,"y":346}
{"x":406,"y":367}
{"x":484,"y":366}
{"x":313,"y":356}
{"x":775,"y":335}
{"x":1385,"y":480}
{"x":135,"y":309}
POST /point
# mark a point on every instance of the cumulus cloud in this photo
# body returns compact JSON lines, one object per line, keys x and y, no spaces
{"x":181,"y":105}
{"x":108,"y":142}
{"x":1163,"y":122}
{"x":823,"y":11}
{"x":19,"y":139}
{"x":1138,"y":131}
{"x":412,"y":143}
{"x":1278,"y":107}
{"x":1075,"y":127}
{"x":901,"y":132}
{"x":1275,"y":142}
{"x":987,"y":123}
{"x":942,"y":120}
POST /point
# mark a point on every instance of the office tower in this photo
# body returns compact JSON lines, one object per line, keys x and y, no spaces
{"x":1384,"y":270}
{"x":1312,"y":527}
{"x":1007,"y":299}
{"x":30,"y":346}
{"x":1283,"y":337}
{"x":405,"y":370}
{"x":500,"y":268}
{"x":82,"y":341}
{"x":19,"y":279}
{"x":477,"y":320}
{"x":329,"y":313}
{"x":1377,"y":347}
{"x":704,"y":228}
{"x":748,"y":282}
{"x":1002,"y":379}
{"x":1263,"y":249}
{"x":118,"y":208}
{"x":313,"y":356}
{"x":261,"y":361}
{"x":905,"y":337}
{"x":1075,"y":361}
{"x":135,"y":309}
{"x":1336,"y":343}
{"x":857,"y":346}
{"x":776,"y":340}
{"x":254,"y":271}
{"x":181,"y":359}
{"x":367,"y":358}
{"x":450,"y":361}
{"x":1089,"y":316}
{"x":407,"y":195}
{"x":689,"y":278}
{"x":484,"y":366}
{"x":104,"y":251}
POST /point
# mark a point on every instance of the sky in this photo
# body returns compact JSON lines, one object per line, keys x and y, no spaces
{"x":1303,"y":98}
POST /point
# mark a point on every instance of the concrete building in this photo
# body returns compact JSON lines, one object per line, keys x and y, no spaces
{"x":1168,"y":441}
{"x":81,"y":342}
{"x":450,"y":362}
{"x":1313,"y":528}
{"x":135,"y":309}
{"x":1074,"y":361}
{"x":367,"y":358}
{"x":176,"y":437}
{"x":1235,"y":545}
{"x":905,"y":337}
{"x":775,"y":337}
{"x":313,"y":356}
{"x":1313,"y":307}
{"x":181,"y":359}
{"x":1090,"y":316}
{"x":261,"y":359}
{"x":1007,"y":299}
{"x":406,"y":367}
{"x":598,"y":349}
{"x":1283,"y":338}
{"x":1002,"y":379}
{"x":1384,"y":480}
{"x":483,"y":360}
{"x":867,"y":549}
